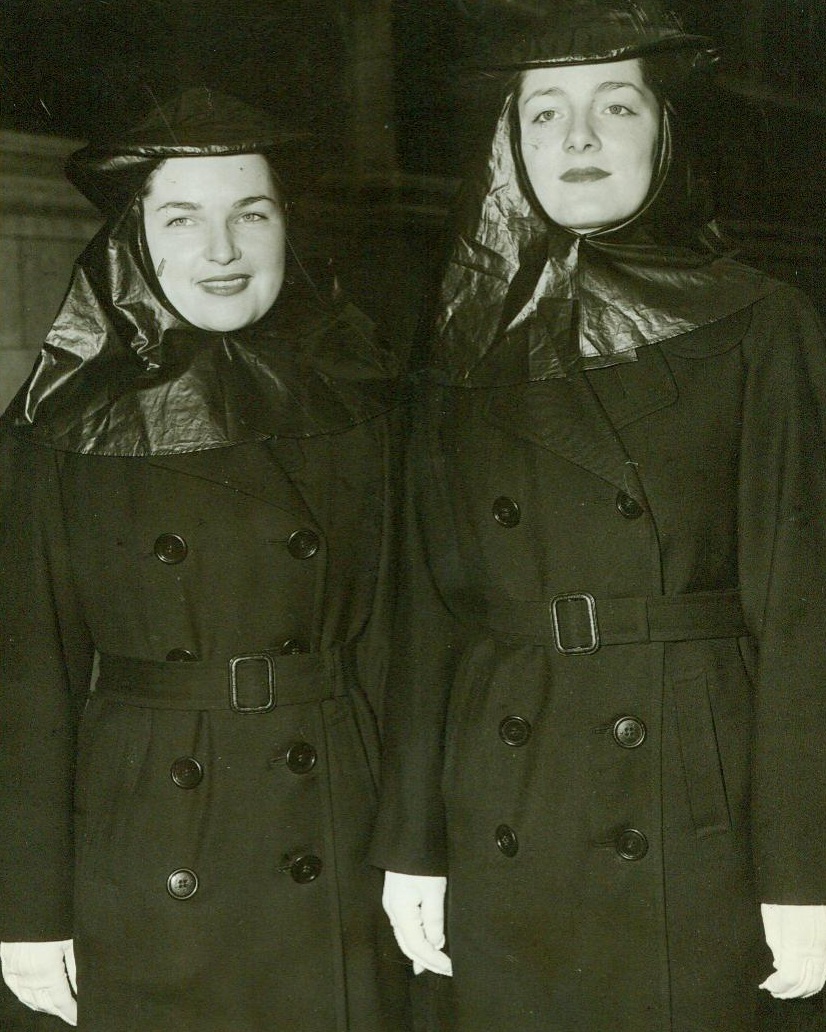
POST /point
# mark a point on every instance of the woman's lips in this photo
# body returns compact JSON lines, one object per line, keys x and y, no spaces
{"x":584,"y":175}
{"x":224,"y":286}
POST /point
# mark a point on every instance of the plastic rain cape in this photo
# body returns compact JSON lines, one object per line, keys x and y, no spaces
{"x":122,"y":374}
{"x":524,"y":299}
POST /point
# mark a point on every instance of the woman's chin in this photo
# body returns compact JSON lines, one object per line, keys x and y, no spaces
{"x":223,"y":322}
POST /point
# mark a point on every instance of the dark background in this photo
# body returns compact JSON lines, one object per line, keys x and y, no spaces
{"x":75,"y":67}
{"x":388,"y":114}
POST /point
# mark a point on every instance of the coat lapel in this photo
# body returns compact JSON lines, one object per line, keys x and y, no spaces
{"x":577,"y":417}
{"x":260,"y":471}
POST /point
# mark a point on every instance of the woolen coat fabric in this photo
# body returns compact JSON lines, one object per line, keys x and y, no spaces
{"x":610,"y":822}
{"x":281,"y":545}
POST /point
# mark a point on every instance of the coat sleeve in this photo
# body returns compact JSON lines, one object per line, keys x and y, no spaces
{"x":410,"y":831}
{"x":782,"y":562}
{"x":45,"y":665}
{"x":372,"y":648}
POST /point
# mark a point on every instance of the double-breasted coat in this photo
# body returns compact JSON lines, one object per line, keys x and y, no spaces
{"x":225,"y":777}
{"x":610,"y":816}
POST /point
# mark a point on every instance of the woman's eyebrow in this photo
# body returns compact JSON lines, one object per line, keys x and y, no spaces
{"x":549,"y":91}
{"x":605,"y":86}
{"x":184,"y":205}
{"x":243,"y":202}
{"x":253,"y":200}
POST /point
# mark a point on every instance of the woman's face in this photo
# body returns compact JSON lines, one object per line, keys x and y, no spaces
{"x":215,"y":231}
{"x":589,"y":140}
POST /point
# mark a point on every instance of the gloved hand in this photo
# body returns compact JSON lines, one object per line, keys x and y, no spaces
{"x":796,"y":935}
{"x":415,"y":904}
{"x":42,"y":975}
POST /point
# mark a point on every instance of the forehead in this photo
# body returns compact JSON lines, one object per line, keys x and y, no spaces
{"x":582,"y":80}
{"x":211,"y":177}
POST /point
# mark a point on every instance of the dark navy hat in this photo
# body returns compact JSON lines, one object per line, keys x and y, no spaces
{"x":200,"y":122}
{"x":542,"y":33}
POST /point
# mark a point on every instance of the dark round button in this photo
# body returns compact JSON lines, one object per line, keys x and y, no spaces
{"x":182,"y":884}
{"x":305,"y":869}
{"x":629,"y":507}
{"x":514,"y":731}
{"x":180,"y":656}
{"x":631,"y":844}
{"x":629,"y":732}
{"x":506,"y":511}
{"x":303,"y":544}
{"x":186,"y":772}
{"x":292,"y":647}
{"x":170,"y":548}
{"x":301,"y":758}
{"x":506,"y":840}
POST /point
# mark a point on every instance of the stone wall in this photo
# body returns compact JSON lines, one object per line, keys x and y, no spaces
{"x":44,"y":224}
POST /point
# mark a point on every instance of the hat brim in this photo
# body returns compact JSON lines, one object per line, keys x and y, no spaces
{"x":110,"y":180}
{"x":647,"y":48}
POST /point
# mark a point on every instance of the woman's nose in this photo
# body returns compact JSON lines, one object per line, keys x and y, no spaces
{"x":581,"y":135}
{"x":221,"y":245}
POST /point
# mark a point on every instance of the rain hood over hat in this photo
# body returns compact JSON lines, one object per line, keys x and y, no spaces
{"x":121,"y":373}
{"x":525,"y":299}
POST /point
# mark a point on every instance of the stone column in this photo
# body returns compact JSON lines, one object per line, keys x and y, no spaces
{"x":367,"y":29}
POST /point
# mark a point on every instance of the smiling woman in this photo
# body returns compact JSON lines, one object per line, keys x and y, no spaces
{"x":216,"y":238}
{"x":195,"y":484}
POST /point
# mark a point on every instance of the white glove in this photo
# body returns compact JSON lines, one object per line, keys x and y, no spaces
{"x":415,"y":904}
{"x":796,"y":935}
{"x":42,"y":975}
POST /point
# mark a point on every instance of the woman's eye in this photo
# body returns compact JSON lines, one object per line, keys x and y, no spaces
{"x":252,"y":216}
{"x":619,"y":109}
{"x":181,"y":220}
{"x":546,"y":116}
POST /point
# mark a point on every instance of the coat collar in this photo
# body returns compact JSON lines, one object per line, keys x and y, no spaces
{"x":631,"y":390}
{"x":577,"y":417}
{"x":258,"y":470}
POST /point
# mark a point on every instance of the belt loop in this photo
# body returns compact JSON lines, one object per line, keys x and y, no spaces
{"x":334,"y":671}
{"x":251,"y":657}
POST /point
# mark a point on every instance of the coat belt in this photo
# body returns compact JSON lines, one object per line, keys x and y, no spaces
{"x":252,"y":682}
{"x":577,"y":623}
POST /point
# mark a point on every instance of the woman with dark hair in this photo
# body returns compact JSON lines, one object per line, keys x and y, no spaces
{"x":196,"y":490}
{"x":606,"y":708}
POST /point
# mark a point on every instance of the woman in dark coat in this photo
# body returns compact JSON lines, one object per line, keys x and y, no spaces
{"x":196,"y":490}
{"x":607,"y":712}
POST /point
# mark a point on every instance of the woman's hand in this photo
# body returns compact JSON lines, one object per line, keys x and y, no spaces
{"x":42,"y":975}
{"x":415,"y":904}
{"x":796,"y":935}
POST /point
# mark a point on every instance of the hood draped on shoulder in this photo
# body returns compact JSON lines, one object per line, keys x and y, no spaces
{"x":523,"y":298}
{"x":121,"y":373}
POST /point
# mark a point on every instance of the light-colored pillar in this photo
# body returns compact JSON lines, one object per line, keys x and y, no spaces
{"x":44,"y":225}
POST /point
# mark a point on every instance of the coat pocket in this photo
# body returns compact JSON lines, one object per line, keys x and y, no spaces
{"x":700,"y":755}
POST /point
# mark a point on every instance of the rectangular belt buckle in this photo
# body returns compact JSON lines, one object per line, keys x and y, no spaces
{"x":593,"y":627}
{"x":234,"y":663}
